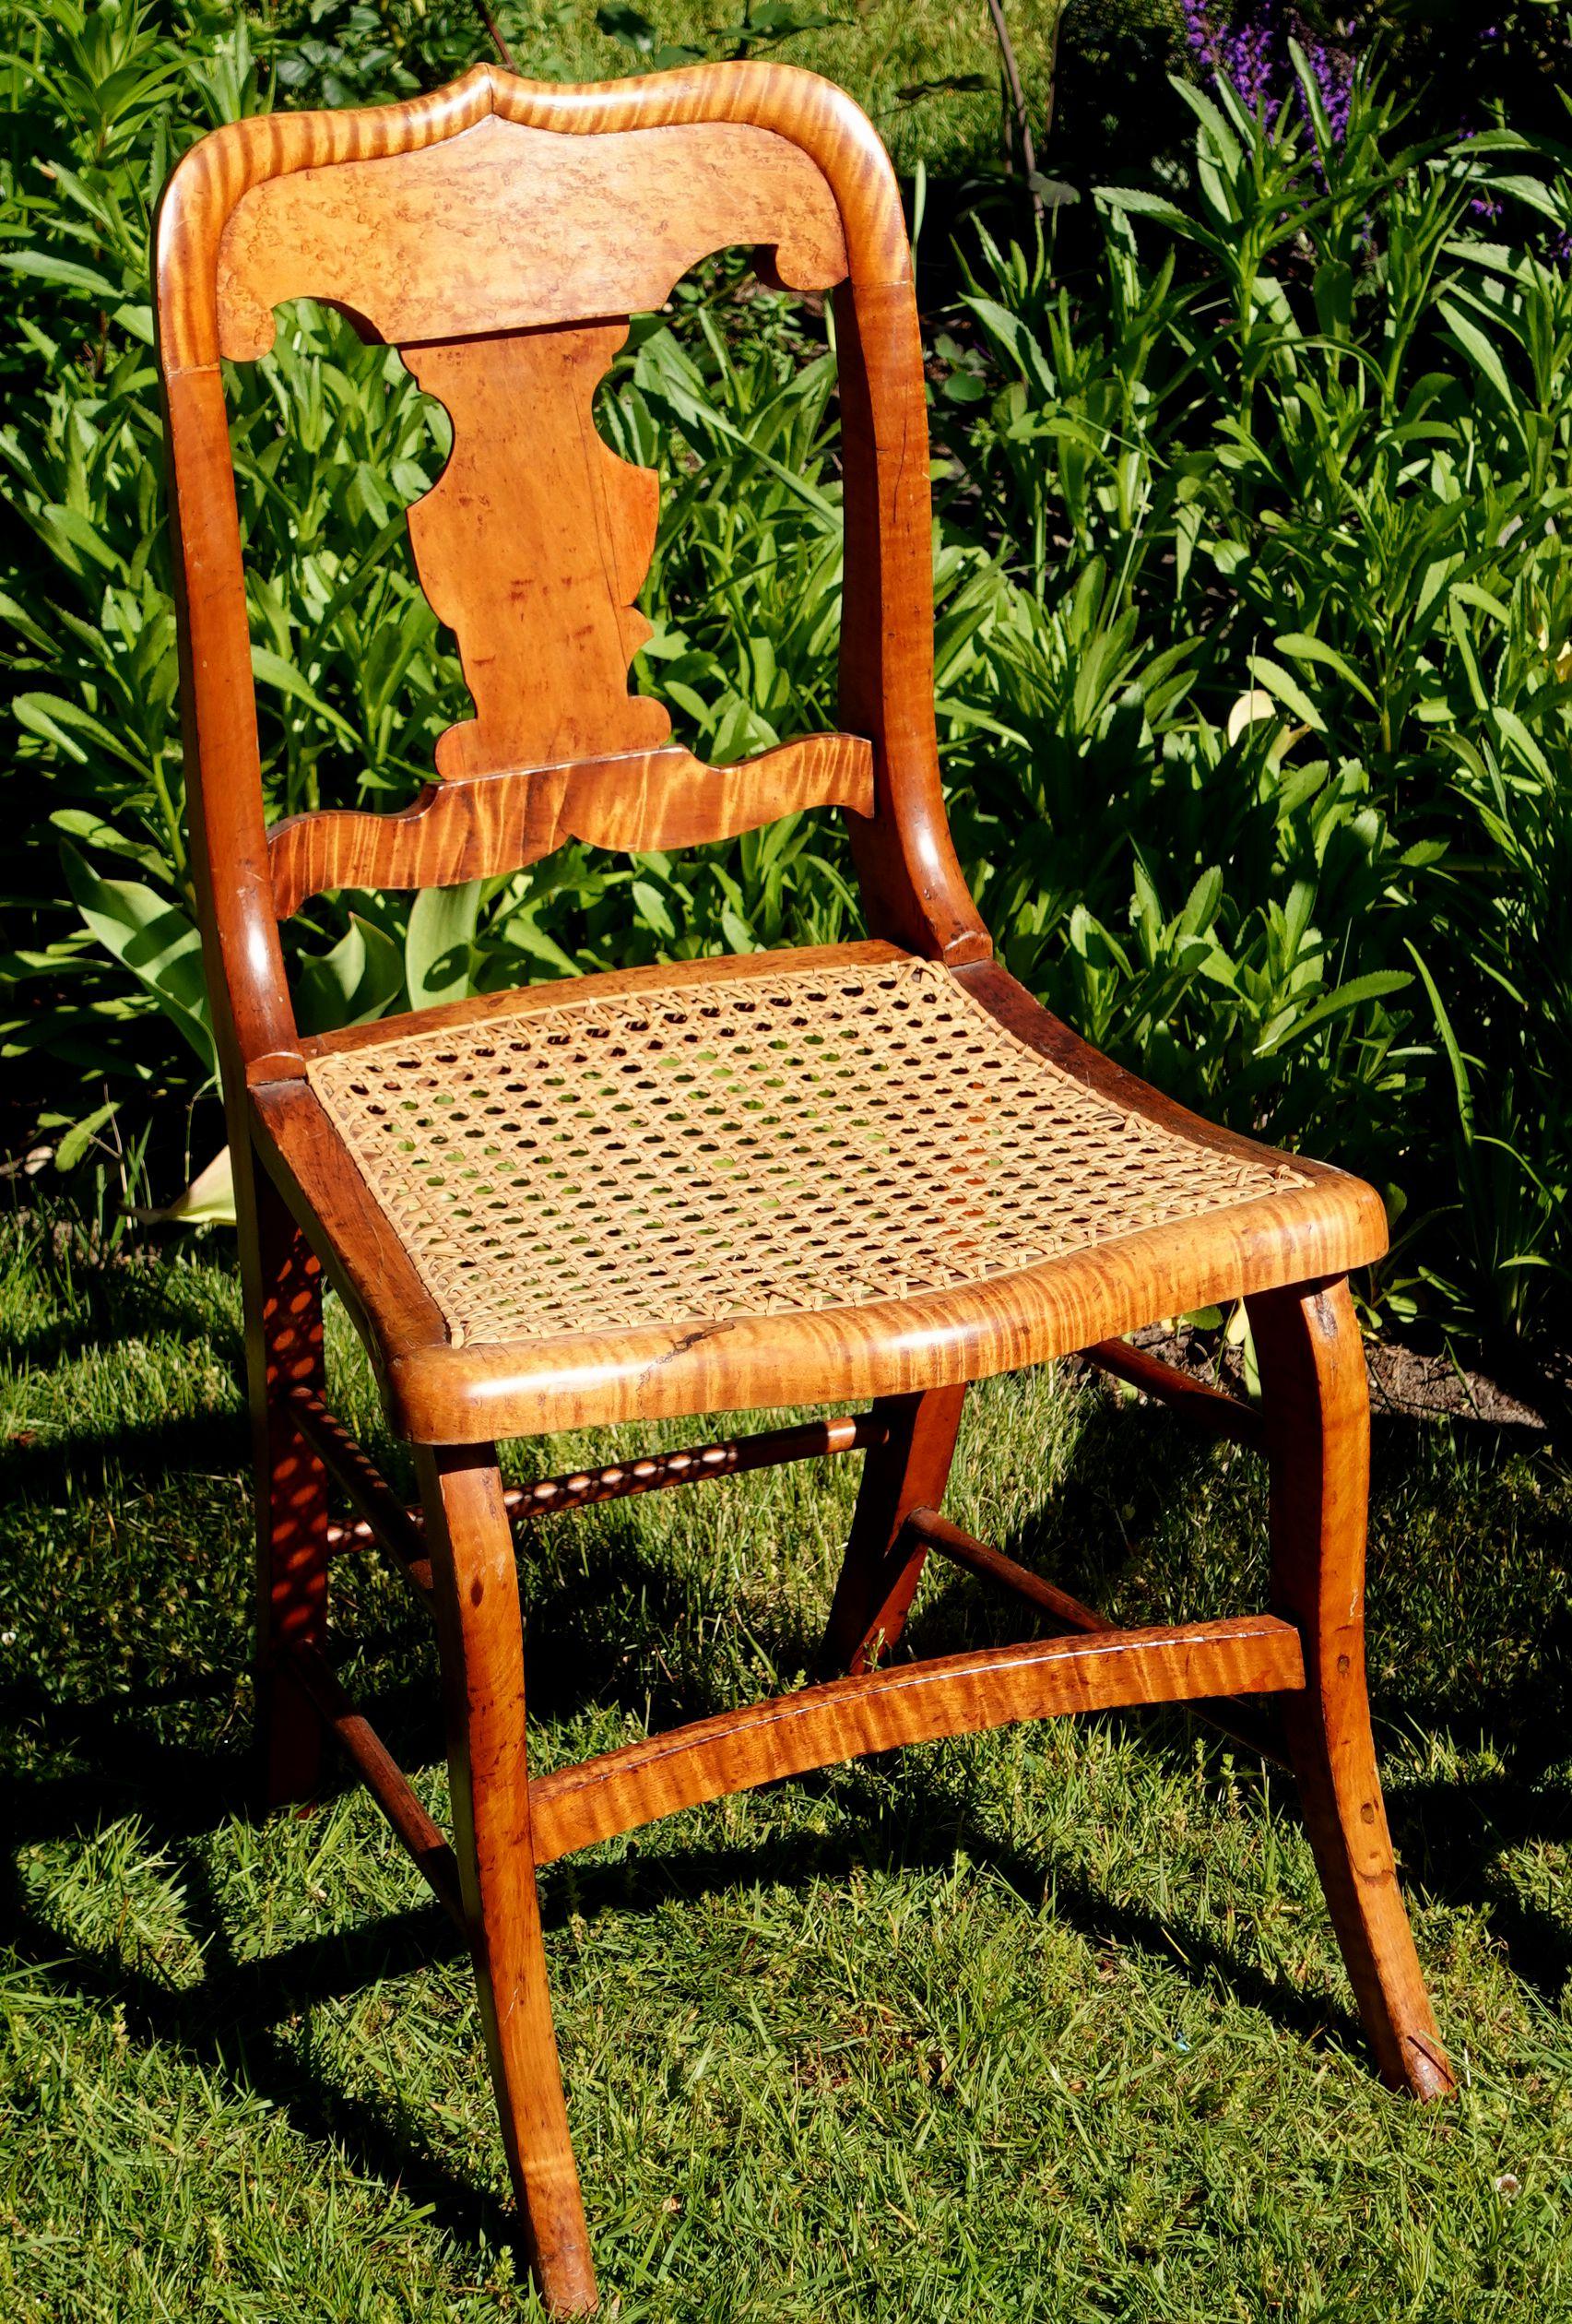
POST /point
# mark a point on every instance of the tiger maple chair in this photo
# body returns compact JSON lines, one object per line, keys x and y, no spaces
{"x":874,"y":1171}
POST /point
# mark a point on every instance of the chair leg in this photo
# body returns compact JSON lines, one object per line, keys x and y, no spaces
{"x":1318,"y":1423}
{"x":283,"y":1330}
{"x":480,"y":1632}
{"x":879,"y":1576}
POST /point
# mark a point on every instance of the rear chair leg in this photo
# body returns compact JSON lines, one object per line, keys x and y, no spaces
{"x":283,"y":1330}
{"x":1317,"y":1424}
{"x":481,"y":1633}
{"x":879,"y":1576}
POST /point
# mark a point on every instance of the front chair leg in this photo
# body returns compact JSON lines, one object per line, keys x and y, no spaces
{"x":480,"y":1634}
{"x":1317,"y":1424}
{"x":879,"y":1578}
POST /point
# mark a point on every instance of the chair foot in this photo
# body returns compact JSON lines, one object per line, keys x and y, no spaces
{"x":879,"y":1576}
{"x":1318,"y":1423}
{"x":283,"y":1305}
{"x":478,"y":1624}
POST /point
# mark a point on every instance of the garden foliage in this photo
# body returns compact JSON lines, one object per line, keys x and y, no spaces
{"x":1255,"y":633}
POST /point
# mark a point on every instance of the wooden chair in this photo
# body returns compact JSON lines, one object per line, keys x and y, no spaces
{"x":876,"y":1171}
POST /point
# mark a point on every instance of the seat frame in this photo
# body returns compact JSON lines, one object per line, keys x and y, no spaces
{"x":489,"y":230}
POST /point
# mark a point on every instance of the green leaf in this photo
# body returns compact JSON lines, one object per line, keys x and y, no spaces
{"x":437,"y":948}
{"x":1010,"y":333}
{"x":155,"y":941}
{"x":76,"y":1141}
{"x":353,"y":984}
{"x":208,"y":1201}
{"x":1136,"y":202}
{"x":1353,"y":995}
{"x":48,"y":268}
{"x":1277,"y":683}
{"x":1316,"y":649}
{"x":1461,"y":1090}
{"x":272,"y":669}
{"x":1480,"y":350}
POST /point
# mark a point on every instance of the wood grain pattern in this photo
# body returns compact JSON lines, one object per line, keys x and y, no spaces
{"x":474,"y":830}
{"x":913,"y":888}
{"x":892,"y":1348}
{"x":1318,"y":1404}
{"x":936,"y":1534}
{"x":298,"y":1153}
{"x":913,"y":881}
{"x":808,"y":114}
{"x":480,"y":1631}
{"x":895,"y":1346}
{"x":532,"y":546}
{"x":911,"y":1702}
{"x":505,"y":227}
{"x":883,"y":1564}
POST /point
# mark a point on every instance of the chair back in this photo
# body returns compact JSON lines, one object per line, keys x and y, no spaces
{"x":500,"y":234}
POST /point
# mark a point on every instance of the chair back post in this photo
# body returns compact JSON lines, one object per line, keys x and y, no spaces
{"x":522,"y":224}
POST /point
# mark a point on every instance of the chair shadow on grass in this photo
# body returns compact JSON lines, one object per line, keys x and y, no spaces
{"x":1449,"y":1834}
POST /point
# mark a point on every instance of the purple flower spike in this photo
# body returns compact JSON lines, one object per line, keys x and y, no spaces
{"x":1251,"y":51}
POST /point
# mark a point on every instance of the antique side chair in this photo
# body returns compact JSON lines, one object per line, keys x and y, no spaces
{"x":876,"y":1171}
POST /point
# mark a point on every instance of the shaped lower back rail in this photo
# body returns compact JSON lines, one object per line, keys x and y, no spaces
{"x":909,"y":1703}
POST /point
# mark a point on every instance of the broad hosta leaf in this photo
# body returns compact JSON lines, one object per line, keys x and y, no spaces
{"x":358,"y":980}
{"x":437,"y":964}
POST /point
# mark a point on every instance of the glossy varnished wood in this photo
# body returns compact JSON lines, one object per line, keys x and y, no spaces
{"x":532,"y":545}
{"x":507,"y":227}
{"x":929,"y":1530}
{"x":253,"y":211}
{"x":908,"y":1702}
{"x":883,"y":1565}
{"x":482,"y":1663}
{"x":623,"y":1480}
{"x":442,"y":1393}
{"x":1209,"y":1409}
{"x":471,"y":829}
{"x":383,"y":1517}
{"x":926,"y":1529}
{"x":1317,"y":1399}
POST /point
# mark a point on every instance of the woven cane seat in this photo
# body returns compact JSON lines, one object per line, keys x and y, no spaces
{"x":802,"y":1139}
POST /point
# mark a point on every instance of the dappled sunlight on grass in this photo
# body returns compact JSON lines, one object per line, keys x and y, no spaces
{"x":1048,"y":2023}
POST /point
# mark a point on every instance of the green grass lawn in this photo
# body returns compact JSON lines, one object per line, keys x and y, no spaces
{"x":1044,"y":2025}
{"x":885,"y":52}
{"x":926,"y":72}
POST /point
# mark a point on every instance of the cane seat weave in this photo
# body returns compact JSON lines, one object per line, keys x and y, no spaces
{"x":799,"y":1140}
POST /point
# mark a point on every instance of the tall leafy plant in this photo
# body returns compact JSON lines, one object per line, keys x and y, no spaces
{"x":1285,"y":504}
